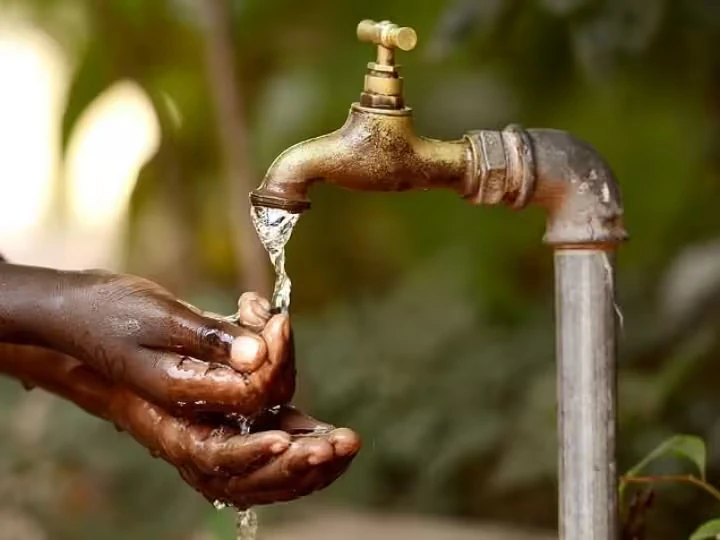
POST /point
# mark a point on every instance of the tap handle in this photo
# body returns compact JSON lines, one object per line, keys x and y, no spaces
{"x":388,"y":35}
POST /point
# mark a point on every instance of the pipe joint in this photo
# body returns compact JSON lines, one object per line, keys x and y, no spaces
{"x":552,"y":169}
{"x":503,"y":167}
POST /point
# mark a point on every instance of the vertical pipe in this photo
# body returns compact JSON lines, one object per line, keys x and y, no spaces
{"x":587,"y":393}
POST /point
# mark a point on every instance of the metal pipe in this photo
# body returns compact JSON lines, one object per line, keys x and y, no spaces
{"x":586,"y":382}
{"x":570,"y":180}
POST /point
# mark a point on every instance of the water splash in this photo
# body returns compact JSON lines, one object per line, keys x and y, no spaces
{"x":246,"y":525}
{"x":274,"y":227}
{"x":244,"y":423}
{"x":246,"y":521}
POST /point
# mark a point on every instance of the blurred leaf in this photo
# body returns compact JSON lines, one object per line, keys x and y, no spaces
{"x":689,"y":447}
{"x":707,"y":531}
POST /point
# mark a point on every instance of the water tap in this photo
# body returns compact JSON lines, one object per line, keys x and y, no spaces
{"x":377,"y":149}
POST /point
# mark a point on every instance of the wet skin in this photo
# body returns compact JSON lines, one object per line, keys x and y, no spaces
{"x":135,"y":333}
{"x":126,"y":350}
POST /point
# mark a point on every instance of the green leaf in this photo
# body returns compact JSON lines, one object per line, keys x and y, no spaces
{"x":707,"y":531}
{"x":689,"y":447}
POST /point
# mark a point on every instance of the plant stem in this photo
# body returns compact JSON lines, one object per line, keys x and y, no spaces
{"x":677,"y":478}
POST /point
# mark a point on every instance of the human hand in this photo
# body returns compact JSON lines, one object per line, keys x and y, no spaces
{"x":136,"y":333}
{"x":285,"y":455}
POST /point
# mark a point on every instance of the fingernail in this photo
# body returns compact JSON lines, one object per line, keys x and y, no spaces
{"x":245,"y":349}
{"x":279,"y":447}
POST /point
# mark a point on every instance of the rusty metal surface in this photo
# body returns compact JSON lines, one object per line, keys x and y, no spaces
{"x":577,"y":188}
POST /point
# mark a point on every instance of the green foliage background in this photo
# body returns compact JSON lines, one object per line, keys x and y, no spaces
{"x":424,"y":323}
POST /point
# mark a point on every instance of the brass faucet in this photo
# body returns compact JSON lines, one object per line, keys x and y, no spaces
{"x":378,"y":150}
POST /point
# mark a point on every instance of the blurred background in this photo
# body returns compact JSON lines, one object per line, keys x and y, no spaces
{"x":132,"y":130}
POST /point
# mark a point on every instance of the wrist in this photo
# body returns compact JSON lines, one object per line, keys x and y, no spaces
{"x":33,"y":303}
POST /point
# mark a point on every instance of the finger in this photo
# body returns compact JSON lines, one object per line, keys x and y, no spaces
{"x":239,"y":454}
{"x":281,"y":388}
{"x":278,"y":481}
{"x":207,"y":449}
{"x":177,"y":382}
{"x":248,"y":353}
{"x":277,"y":337}
{"x":287,"y":468}
{"x":253,"y":311}
{"x":163,"y":435}
{"x":276,"y":380}
{"x":313,"y":480}
{"x":296,"y":422}
{"x":345,"y":442}
{"x":190,"y":333}
{"x":204,"y":313}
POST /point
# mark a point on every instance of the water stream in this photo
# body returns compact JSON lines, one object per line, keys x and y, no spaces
{"x":246,"y":525}
{"x":273,"y":227}
{"x":246,"y":521}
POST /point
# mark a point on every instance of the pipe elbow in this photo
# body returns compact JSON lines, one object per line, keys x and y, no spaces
{"x":555,"y":170}
{"x":577,"y":188}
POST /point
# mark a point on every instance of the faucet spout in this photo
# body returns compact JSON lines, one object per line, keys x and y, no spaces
{"x":375,"y":150}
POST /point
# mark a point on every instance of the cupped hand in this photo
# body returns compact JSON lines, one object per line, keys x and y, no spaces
{"x":286,"y":455}
{"x":136,"y":333}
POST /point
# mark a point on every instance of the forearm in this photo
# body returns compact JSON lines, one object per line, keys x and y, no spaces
{"x":59,"y":374}
{"x":32,"y":300}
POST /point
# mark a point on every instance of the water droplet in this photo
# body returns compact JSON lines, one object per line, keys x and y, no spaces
{"x":219,"y":505}
{"x":245,"y":425}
